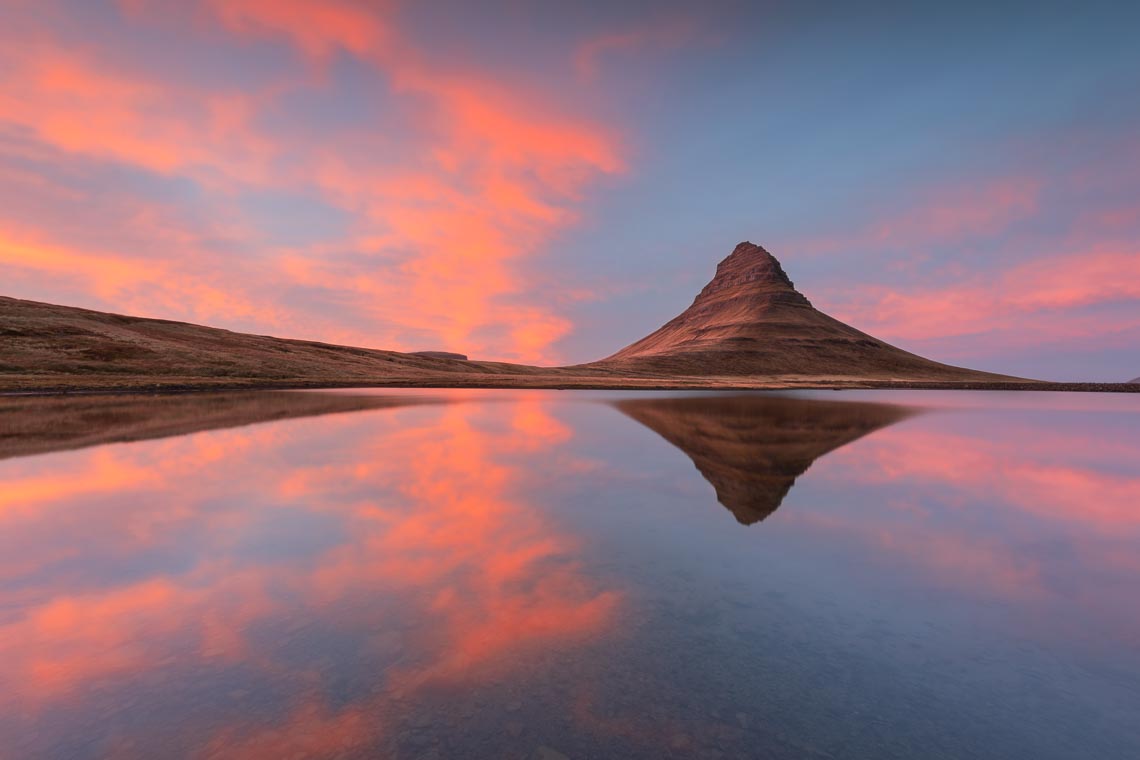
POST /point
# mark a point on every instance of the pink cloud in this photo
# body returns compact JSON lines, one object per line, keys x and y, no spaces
{"x":485,"y":174}
{"x":1007,"y":287}
{"x":662,"y":34}
{"x":942,"y":214}
{"x":962,"y":211}
{"x":1022,"y":298}
{"x":318,"y":27}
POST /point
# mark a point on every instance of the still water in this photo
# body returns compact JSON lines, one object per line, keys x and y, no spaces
{"x":559,"y":575}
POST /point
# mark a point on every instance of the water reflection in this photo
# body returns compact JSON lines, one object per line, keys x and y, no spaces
{"x":304,"y":588}
{"x":752,"y":448}
{"x":39,"y":424}
{"x":395,"y":575}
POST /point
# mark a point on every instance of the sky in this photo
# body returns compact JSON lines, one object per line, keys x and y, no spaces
{"x":547,"y":182}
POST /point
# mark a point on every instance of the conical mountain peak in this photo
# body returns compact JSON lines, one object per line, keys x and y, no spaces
{"x":750,"y":269}
{"x":755,"y":261}
{"x":750,"y":320}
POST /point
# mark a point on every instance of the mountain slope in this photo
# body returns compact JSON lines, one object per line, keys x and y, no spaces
{"x":45,"y":343}
{"x":750,"y":320}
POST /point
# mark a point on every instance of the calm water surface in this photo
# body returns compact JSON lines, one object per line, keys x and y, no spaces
{"x":570,"y":575}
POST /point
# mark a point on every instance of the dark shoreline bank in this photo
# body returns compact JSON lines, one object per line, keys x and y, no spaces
{"x":149,"y":387}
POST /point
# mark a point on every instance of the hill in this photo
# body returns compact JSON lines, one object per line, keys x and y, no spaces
{"x":45,"y":345}
{"x":750,"y":320}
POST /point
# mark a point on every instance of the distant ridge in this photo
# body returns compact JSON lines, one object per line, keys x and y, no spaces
{"x":750,"y":320}
{"x":45,"y":344}
{"x":1135,"y":380}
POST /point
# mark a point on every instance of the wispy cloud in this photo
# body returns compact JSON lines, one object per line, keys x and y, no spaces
{"x":662,"y":34}
{"x":450,"y":176}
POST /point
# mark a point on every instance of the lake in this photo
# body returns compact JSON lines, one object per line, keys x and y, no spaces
{"x":549,"y":575}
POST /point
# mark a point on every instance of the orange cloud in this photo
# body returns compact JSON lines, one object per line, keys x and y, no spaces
{"x":74,"y":101}
{"x":318,"y":27}
{"x":1016,"y":299}
{"x":146,"y":285}
{"x":482,"y":175}
{"x":496,"y":173}
{"x":999,"y":305}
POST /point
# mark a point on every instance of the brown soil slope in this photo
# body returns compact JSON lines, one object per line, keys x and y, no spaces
{"x":750,"y":320}
{"x":751,"y":449}
{"x":44,"y":343}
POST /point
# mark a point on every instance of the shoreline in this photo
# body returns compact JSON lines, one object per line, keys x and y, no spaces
{"x":148,"y":386}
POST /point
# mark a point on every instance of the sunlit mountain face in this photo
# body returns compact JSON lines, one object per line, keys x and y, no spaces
{"x":496,"y":574}
{"x":548,"y":182}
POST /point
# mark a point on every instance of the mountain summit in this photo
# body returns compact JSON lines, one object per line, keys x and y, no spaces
{"x":751,"y":320}
{"x":750,"y":268}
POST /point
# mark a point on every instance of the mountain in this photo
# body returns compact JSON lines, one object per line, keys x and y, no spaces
{"x":750,"y":320}
{"x":751,"y":449}
{"x":1135,"y":380}
{"x":748,"y":328}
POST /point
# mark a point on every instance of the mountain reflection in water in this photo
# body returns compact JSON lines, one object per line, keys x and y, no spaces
{"x":752,"y":448}
{"x":532,"y":575}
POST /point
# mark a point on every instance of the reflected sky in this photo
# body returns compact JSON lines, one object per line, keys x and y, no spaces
{"x":545,"y":574}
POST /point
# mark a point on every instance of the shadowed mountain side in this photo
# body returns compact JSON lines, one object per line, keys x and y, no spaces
{"x":752,"y":448}
{"x":750,"y":320}
{"x":37,"y":425}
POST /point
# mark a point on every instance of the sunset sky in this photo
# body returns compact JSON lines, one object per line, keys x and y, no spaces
{"x":547,"y":182}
